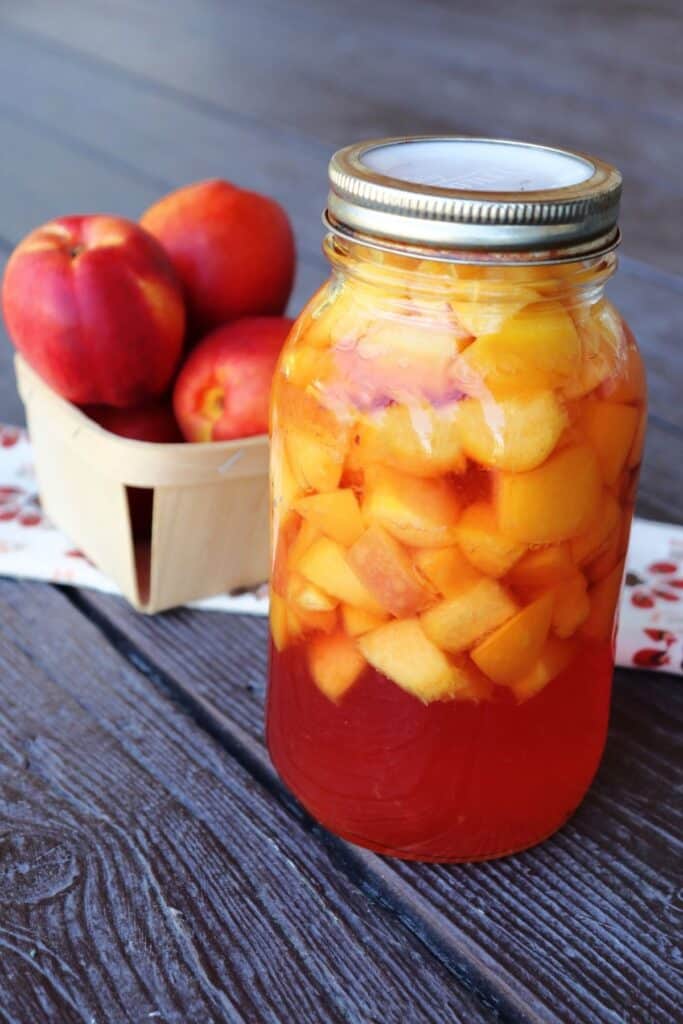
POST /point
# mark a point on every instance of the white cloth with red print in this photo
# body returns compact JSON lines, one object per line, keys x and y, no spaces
{"x":651,"y":615}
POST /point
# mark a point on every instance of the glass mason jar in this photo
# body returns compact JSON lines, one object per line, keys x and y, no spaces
{"x":457,"y":427}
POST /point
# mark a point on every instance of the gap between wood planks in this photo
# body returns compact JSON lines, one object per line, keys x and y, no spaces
{"x":369,"y":873}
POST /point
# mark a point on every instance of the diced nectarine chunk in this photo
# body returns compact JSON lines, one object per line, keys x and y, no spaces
{"x":336,"y":514}
{"x":571,"y":605}
{"x":335,"y":663}
{"x":278,"y":621}
{"x":307,"y":597}
{"x":610,"y":428}
{"x":344,"y":313}
{"x":387,"y":571}
{"x":478,"y":687}
{"x":602,"y":348}
{"x":534,"y":350}
{"x":287,"y":531}
{"x":483,"y":306}
{"x":603,"y":598}
{"x":420,"y":513}
{"x":401,"y":651}
{"x":483,"y":544}
{"x":597,"y":537}
{"x":553,"y":659}
{"x":357,"y":621}
{"x":554,"y":502}
{"x":302,"y":542}
{"x":414,"y":439}
{"x":317,"y":466}
{"x":458,"y":622}
{"x":285,"y":488}
{"x":318,"y":622}
{"x":543,"y":567}
{"x":325,"y":564}
{"x":446,"y":569}
{"x":627,"y":384}
{"x":516,"y":433}
{"x":510,"y":652}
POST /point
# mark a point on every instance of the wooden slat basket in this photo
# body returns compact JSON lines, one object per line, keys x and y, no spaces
{"x":210,"y":502}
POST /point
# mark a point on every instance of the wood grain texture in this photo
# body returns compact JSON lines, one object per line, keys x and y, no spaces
{"x":144,"y":874}
{"x":582,"y":928}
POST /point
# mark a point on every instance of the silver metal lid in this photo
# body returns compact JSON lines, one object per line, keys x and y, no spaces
{"x":455,"y":192}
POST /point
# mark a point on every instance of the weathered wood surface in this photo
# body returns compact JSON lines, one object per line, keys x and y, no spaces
{"x":150,"y":861}
{"x":146,"y":874}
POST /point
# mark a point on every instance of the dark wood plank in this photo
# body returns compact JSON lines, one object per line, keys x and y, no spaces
{"x":352,"y":82}
{"x":582,"y":928}
{"x":144,"y":872}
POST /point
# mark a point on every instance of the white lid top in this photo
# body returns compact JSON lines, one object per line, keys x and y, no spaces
{"x":464,"y":193}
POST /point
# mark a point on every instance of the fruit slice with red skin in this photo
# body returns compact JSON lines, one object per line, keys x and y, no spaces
{"x":223,"y":389}
{"x":302,"y":542}
{"x":357,"y":621}
{"x":610,"y":427}
{"x":419,"y":513}
{"x":603,"y":598}
{"x":335,"y":663}
{"x":401,"y":651}
{"x":325,"y":564}
{"x":446,"y":569}
{"x":336,"y":514}
{"x":387,"y":571}
{"x":510,"y":652}
{"x":553,"y":659}
{"x":483,"y":544}
{"x":459,"y":622}
{"x":233,"y":250}
{"x":552,"y":503}
{"x":516,"y":433}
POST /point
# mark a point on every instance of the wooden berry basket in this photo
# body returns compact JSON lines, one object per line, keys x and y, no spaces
{"x":210,"y":502}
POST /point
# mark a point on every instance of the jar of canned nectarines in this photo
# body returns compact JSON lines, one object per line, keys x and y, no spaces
{"x":457,"y":428}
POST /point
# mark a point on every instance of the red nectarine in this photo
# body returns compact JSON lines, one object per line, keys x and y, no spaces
{"x":232,"y":249}
{"x":94,"y":305}
{"x":223,"y":390}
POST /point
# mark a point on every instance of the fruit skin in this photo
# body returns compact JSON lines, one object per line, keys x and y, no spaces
{"x":153,"y":422}
{"x":553,"y":659}
{"x":387,"y":571}
{"x":223,"y":389}
{"x":232,"y":249}
{"x":95,"y":307}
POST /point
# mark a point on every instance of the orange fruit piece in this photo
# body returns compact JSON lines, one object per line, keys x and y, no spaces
{"x":336,"y":514}
{"x":446,"y":569}
{"x":335,"y":663}
{"x":516,"y":433}
{"x":417,"y":512}
{"x":401,"y":652}
{"x":357,"y":621}
{"x":325,"y":564}
{"x":543,"y":567}
{"x":553,"y":659}
{"x":610,"y":427}
{"x":482,"y":542}
{"x":458,"y":622}
{"x":510,"y":652}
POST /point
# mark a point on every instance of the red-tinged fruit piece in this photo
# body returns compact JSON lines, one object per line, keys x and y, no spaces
{"x":232,"y":249}
{"x":95,"y":307}
{"x":223,"y":389}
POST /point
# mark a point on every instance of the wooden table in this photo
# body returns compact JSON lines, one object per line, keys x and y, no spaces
{"x":152,"y":867}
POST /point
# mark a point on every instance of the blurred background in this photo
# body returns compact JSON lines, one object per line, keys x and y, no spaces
{"x":106,"y":104}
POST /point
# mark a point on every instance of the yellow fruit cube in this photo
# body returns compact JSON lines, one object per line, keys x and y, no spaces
{"x":603,"y":598}
{"x":535,"y":350}
{"x":446,"y":569}
{"x":414,"y":439}
{"x":278,"y":621}
{"x":325,"y":564}
{"x":302,"y":542}
{"x":543,"y":567}
{"x":336,"y":514}
{"x":596,"y":539}
{"x":483,"y":306}
{"x":284,"y":486}
{"x":387,"y":571}
{"x":420,"y":513}
{"x":553,"y":659}
{"x":318,"y":622}
{"x":516,"y":433}
{"x":610,"y":428}
{"x":572,"y":605}
{"x":510,"y":652}
{"x":482,"y":542}
{"x":357,"y":621}
{"x":458,"y":622}
{"x":554,"y":502}
{"x":401,"y":651}
{"x":305,"y":596}
{"x":602,"y":345}
{"x":335,"y":663}
{"x":317,"y":465}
